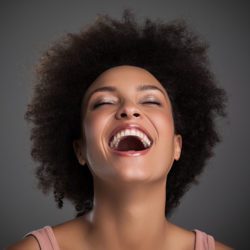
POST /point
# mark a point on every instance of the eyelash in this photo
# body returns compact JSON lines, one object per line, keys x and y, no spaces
{"x":103,"y":103}
{"x":100,"y":104}
{"x":153,"y":102}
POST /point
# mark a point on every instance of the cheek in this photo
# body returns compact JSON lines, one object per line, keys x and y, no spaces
{"x":164,"y":123}
{"x":94,"y":126}
{"x":164,"y":154}
{"x":95,"y":153}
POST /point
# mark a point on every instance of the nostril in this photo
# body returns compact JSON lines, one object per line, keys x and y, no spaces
{"x":122,"y":115}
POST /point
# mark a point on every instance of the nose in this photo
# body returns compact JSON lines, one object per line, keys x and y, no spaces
{"x":128,"y":111}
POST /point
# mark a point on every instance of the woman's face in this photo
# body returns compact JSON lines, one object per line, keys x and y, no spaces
{"x":123,"y":103}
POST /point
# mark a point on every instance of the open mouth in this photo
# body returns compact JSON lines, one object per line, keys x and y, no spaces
{"x":130,"y":140}
{"x":130,"y":143}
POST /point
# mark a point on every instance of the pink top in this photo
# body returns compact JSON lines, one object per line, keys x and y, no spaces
{"x":47,"y":240}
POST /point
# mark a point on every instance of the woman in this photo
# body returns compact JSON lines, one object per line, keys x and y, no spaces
{"x":123,"y":120}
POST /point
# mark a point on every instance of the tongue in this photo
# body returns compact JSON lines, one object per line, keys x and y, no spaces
{"x":130,"y":143}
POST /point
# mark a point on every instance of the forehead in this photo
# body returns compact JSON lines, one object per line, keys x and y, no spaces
{"x":124,"y":78}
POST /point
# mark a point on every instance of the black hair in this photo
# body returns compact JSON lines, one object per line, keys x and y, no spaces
{"x":170,"y":51}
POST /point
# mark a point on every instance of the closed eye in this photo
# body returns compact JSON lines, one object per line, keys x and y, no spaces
{"x":153,"y":102}
{"x":110,"y":103}
{"x":100,"y":104}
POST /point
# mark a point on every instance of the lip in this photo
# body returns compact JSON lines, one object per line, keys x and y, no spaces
{"x":131,"y":152}
{"x":130,"y":126}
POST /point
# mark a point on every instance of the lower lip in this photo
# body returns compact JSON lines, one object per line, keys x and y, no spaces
{"x":131,"y":152}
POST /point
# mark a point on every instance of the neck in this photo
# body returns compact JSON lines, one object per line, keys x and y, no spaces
{"x":130,"y":216}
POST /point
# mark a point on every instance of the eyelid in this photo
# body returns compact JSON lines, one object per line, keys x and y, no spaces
{"x":102,"y":101}
{"x":152,"y":98}
{"x":155,"y":102}
{"x":110,"y":100}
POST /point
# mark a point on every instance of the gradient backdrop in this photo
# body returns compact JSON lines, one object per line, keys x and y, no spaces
{"x":219,"y":205}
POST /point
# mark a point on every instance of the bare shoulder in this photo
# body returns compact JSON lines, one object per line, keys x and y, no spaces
{"x":181,"y":238}
{"x":72,"y":233}
{"x":72,"y":227}
{"x":221,"y":246}
{"x":28,"y":243}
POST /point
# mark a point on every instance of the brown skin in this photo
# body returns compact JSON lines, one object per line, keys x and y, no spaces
{"x":128,"y":189}
{"x":129,"y":192}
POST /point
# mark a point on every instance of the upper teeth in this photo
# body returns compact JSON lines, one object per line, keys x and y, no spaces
{"x":143,"y":137}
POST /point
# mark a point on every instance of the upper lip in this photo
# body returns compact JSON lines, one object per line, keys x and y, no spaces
{"x":129,"y":126}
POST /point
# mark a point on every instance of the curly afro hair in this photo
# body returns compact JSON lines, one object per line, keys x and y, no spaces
{"x":170,"y":51}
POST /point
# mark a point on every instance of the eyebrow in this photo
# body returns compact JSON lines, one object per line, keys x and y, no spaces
{"x":139,"y":88}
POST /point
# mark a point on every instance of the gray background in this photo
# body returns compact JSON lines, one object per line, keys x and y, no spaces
{"x":220,"y":204}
